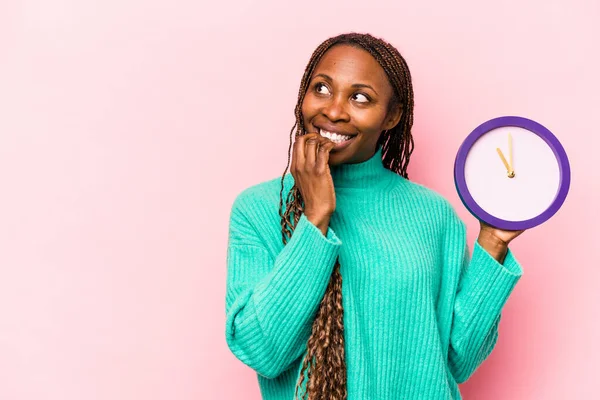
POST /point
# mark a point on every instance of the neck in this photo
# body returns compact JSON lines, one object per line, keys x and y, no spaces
{"x":368,"y":174}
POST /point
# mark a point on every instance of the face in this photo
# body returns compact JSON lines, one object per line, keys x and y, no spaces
{"x":349,"y":95}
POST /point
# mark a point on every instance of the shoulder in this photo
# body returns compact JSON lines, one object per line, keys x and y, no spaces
{"x":262,"y":194}
{"x":258,"y":205}
{"x":424,"y":196}
{"x":255,"y":212}
{"x":429,"y":204}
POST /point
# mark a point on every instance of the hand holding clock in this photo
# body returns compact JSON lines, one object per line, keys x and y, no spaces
{"x":495,"y":241}
{"x":507,"y":205}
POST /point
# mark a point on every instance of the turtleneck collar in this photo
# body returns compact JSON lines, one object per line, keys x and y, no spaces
{"x":369,"y":174}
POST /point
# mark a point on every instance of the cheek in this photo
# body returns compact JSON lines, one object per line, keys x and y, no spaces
{"x":369,"y":120}
{"x":305,"y":114}
{"x":309,"y":109}
{"x":308,"y":106}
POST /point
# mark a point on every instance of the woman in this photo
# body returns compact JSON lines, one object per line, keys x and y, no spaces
{"x":415,"y":315}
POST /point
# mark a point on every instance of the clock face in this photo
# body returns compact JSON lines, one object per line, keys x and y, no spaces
{"x":512,"y":173}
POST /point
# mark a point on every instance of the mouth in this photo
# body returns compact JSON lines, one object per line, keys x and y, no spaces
{"x":341,"y":140}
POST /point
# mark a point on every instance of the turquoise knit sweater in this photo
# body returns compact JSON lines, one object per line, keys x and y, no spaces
{"x":420,"y":313}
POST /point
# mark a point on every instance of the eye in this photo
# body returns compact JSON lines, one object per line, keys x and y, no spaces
{"x":361,"y":98}
{"x":321,"y":88}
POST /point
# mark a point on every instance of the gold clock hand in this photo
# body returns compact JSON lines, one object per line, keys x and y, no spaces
{"x":510,"y":172}
{"x":510,"y":152}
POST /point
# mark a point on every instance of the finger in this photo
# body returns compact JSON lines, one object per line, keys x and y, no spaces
{"x":310,"y":150}
{"x":298,"y":159}
{"x":323,"y":154}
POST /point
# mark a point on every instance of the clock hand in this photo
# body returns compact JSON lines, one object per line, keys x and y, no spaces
{"x":509,"y":170}
{"x":510,"y":152}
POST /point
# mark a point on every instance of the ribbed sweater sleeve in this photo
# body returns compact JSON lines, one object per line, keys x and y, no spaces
{"x":271,"y":301}
{"x":483,"y":288}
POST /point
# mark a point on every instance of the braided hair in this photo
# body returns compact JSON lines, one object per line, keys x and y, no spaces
{"x":324,"y":361}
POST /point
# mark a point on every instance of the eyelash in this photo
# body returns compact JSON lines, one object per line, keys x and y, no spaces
{"x":320,"y":84}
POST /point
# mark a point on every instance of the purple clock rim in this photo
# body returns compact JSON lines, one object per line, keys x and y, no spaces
{"x":541,"y":131}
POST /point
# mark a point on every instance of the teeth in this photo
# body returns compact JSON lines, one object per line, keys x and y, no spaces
{"x":335,"y":137}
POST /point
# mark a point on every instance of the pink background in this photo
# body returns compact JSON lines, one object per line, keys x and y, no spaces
{"x":128,"y":127}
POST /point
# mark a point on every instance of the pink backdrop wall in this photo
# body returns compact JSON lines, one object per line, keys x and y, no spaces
{"x":128,"y":127}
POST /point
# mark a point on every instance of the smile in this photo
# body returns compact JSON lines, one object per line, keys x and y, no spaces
{"x":334,"y":137}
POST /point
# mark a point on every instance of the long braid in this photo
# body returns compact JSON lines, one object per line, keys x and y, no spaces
{"x":324,"y":362}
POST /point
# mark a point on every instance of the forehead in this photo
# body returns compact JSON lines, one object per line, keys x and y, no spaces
{"x":347,"y":64}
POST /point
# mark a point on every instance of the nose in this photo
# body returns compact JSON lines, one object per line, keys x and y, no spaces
{"x":335,"y":109}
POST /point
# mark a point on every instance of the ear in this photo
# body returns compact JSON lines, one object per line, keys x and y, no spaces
{"x":393,"y":117}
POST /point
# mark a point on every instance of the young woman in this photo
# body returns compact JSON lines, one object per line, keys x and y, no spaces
{"x":416,"y":314}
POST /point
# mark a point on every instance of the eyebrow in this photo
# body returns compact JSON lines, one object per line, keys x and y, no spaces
{"x":356,"y":85}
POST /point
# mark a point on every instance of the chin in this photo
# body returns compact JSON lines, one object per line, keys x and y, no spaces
{"x":333,"y":163}
{"x":336,"y":159}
